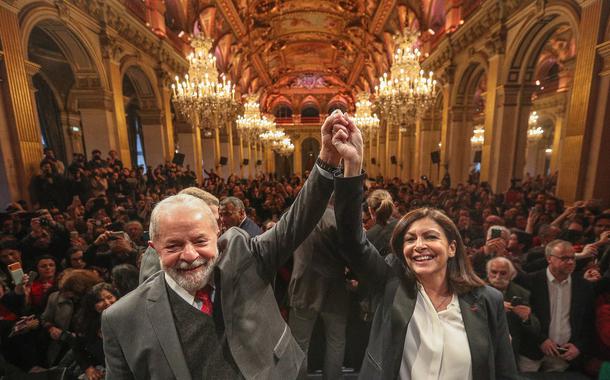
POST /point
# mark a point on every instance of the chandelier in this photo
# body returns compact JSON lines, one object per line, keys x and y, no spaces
{"x":199,"y":96}
{"x":251,"y":124}
{"x":534,"y":132}
{"x":406,"y":94}
{"x":271,"y":136}
{"x":364,"y":119}
{"x":478,"y":137}
{"x":284,"y":147}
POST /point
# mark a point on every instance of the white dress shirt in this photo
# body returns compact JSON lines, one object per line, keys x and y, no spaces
{"x":186,"y":296}
{"x":436,"y":345}
{"x":560,"y":298}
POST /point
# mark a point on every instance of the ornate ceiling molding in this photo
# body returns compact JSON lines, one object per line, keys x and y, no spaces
{"x":232,"y":17}
{"x":377,"y":25}
{"x":483,"y":24}
{"x":112,"y":16}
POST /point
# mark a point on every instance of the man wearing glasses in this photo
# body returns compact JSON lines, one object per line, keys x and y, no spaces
{"x":563,"y":302}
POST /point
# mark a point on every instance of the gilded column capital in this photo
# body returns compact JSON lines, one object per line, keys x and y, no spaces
{"x":604,"y":52}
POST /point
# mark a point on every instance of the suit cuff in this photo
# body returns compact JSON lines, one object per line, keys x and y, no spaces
{"x":325,"y":173}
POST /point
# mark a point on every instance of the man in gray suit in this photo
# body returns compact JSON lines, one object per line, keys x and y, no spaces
{"x":317,"y":288}
{"x":211,"y":313}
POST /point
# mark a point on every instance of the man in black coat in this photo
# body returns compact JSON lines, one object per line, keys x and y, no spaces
{"x":563,"y":302}
{"x":233,"y":214}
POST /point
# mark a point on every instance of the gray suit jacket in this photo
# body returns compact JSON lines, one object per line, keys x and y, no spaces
{"x":482,"y":309}
{"x":140,"y":341}
{"x":318,"y":274}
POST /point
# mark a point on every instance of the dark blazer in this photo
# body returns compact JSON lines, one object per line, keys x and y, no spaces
{"x":318,"y":272}
{"x":141,"y":343}
{"x":380,"y":236}
{"x":517,"y":328}
{"x":482,"y":309}
{"x":250,"y":227}
{"x":582,"y":323}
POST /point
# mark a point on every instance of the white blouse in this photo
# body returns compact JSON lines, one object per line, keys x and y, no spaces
{"x":436,"y":345}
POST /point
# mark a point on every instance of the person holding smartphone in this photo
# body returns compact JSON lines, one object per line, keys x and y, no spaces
{"x":521,"y":320}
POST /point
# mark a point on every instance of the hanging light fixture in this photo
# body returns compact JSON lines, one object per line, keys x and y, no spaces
{"x":408,"y":91}
{"x":367,"y":121}
{"x":199,"y":96}
{"x":251,"y":124}
{"x":534,"y":131}
{"x":284,"y":147}
{"x":478,"y":137}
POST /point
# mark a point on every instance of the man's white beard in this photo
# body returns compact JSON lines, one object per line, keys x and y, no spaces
{"x":193,"y":280}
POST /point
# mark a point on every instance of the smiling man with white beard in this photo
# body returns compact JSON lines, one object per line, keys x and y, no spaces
{"x":211,"y":313}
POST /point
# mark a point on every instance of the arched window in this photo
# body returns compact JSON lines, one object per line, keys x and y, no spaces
{"x":283,"y":111}
{"x":310,"y":111}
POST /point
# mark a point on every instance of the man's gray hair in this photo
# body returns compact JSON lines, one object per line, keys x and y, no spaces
{"x":511,"y":267}
{"x":168,"y":203}
{"x":548,"y":250}
{"x":236,"y":202}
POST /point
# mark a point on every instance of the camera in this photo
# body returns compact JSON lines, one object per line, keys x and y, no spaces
{"x":496,"y":233}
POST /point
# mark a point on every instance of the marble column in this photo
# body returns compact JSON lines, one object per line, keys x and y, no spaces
{"x":22,"y":149}
{"x":153,"y":133}
{"x":574,"y":164}
{"x":190,"y":144}
{"x":597,"y":185}
{"x":116,"y":124}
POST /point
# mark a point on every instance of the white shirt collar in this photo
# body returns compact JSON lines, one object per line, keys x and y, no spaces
{"x":188,"y":297}
{"x":553,"y":280}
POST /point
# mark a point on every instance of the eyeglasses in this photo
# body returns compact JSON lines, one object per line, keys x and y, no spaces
{"x":565,"y":259}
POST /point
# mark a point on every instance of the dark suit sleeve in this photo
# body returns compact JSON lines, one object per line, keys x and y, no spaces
{"x":276,"y":245}
{"x":585,"y":300}
{"x":506,"y":367}
{"x":360,"y":254}
{"x":116,"y":365}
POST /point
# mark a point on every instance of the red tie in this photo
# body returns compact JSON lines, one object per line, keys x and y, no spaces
{"x":205,"y":296}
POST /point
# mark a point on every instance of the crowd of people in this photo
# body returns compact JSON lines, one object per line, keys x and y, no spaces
{"x":78,"y":247}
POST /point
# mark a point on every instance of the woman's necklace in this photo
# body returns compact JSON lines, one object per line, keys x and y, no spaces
{"x":442,"y":305}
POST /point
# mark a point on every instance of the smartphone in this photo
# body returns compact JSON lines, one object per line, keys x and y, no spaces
{"x":73,"y":234}
{"x":516,"y":301}
{"x":16,"y":273}
{"x":116,"y":235}
{"x":496,"y":233}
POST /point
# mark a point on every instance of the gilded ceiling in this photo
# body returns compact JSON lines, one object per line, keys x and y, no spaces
{"x":304,"y":51}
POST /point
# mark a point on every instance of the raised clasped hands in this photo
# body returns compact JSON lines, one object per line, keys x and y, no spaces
{"x":342,"y":140}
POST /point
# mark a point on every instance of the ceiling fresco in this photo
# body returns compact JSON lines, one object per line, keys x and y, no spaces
{"x":287,"y":50}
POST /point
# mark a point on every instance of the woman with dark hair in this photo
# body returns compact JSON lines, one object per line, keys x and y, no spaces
{"x":57,"y":318}
{"x":88,"y":346}
{"x":46,"y":276}
{"x":436,"y":319}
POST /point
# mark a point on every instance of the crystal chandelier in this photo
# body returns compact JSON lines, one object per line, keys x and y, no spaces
{"x":364,"y":118}
{"x":534,"y":132}
{"x":478,"y":137}
{"x":199,"y":96}
{"x":406,"y":94}
{"x":284,"y":147}
{"x":251,"y":124}
{"x":271,"y":136}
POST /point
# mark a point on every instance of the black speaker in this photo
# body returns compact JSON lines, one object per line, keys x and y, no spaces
{"x":373,"y":160}
{"x":435,"y":156}
{"x":245,"y":162}
{"x":393,"y":160}
{"x":259,"y":162}
{"x":223,"y":160}
{"x":477,"y":156}
{"x":178,"y":159}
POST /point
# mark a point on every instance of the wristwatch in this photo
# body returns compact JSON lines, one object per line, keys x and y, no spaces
{"x":325,"y":166}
